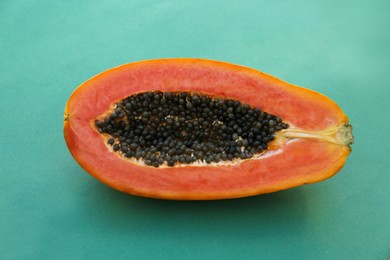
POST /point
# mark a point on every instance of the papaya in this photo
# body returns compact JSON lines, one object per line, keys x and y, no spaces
{"x":196,"y":129}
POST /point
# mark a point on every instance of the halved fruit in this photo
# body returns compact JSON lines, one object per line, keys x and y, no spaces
{"x":313,"y":148}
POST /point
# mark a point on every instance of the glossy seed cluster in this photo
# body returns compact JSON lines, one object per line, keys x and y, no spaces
{"x":167,"y":128}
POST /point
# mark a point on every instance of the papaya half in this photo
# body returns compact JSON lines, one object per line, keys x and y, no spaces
{"x":195,"y":129}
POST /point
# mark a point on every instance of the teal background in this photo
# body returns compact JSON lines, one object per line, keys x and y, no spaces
{"x":51,"y":209}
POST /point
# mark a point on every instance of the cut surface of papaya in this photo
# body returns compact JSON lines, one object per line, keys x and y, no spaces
{"x":195,"y":129}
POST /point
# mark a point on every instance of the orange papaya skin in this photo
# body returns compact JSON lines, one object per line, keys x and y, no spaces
{"x":315,"y":148}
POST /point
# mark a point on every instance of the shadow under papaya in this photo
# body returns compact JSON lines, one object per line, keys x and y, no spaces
{"x":272,"y":214}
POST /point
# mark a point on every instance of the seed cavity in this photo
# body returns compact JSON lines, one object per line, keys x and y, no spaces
{"x":170,"y":128}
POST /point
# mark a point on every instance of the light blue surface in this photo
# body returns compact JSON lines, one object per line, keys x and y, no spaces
{"x":51,"y":209}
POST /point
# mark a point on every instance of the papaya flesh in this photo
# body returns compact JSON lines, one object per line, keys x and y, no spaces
{"x":314,"y":147}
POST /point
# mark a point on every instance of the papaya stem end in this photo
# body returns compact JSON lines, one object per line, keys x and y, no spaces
{"x":341,"y":135}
